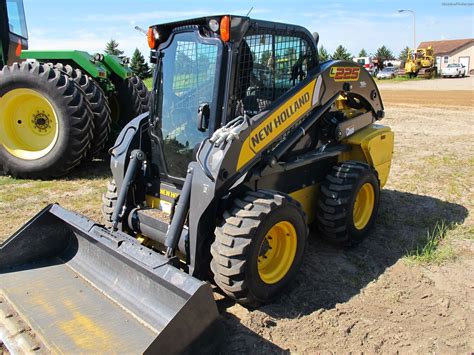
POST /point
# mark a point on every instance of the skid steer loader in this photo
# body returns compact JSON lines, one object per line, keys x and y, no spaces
{"x":250,"y":141}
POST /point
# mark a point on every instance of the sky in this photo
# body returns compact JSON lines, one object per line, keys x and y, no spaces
{"x":88,"y":25}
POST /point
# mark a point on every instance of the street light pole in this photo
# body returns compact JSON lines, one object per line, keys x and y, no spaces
{"x":414,"y":26}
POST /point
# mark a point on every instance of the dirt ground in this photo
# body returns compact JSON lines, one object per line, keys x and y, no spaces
{"x":373,"y":298}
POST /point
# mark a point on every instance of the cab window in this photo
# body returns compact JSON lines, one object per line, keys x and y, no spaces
{"x":269,"y":65}
{"x":16,"y":18}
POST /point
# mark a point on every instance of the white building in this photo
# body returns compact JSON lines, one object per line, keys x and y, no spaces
{"x":453,"y":51}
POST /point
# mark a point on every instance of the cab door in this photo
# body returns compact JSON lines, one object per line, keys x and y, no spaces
{"x":17,"y":31}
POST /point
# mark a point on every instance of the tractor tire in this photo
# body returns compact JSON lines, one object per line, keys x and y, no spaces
{"x":109,"y":200}
{"x":348,"y":203}
{"x":131,"y":100}
{"x":45,"y":126}
{"x":259,"y":246}
{"x":99,"y":105}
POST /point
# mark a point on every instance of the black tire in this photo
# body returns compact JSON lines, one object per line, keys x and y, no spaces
{"x":131,"y":99}
{"x":335,"y":214}
{"x":109,"y":200}
{"x":99,"y":105}
{"x":238,"y":241}
{"x":73,"y":117}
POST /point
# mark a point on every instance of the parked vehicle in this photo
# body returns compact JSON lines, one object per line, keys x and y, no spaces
{"x":367,"y":63}
{"x":387,"y":73}
{"x":454,"y":70}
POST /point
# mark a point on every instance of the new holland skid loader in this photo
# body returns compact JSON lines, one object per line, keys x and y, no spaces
{"x":251,"y":141}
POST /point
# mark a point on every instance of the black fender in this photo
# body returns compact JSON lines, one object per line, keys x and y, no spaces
{"x":130,"y":138}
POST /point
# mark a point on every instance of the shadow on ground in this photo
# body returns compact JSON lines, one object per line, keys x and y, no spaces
{"x":95,"y":169}
{"x":331,"y":275}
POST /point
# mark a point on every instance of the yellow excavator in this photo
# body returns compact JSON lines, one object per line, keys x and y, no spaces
{"x":421,"y":63}
{"x":218,"y":184}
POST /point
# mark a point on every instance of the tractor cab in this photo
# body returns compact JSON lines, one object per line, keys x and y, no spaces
{"x":13,"y":31}
{"x":211,"y":70}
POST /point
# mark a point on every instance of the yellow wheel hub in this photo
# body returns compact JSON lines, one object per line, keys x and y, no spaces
{"x":363,"y":206}
{"x":28,"y":124}
{"x":277,"y":252}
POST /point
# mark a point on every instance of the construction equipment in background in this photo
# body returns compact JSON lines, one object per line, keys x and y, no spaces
{"x":420,"y":63}
{"x":57,"y":107}
{"x":238,"y":156}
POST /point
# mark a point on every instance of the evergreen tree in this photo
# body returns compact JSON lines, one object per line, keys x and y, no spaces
{"x":404,"y":54}
{"x":139,"y":66}
{"x":363,"y":53}
{"x":112,"y":48}
{"x":323,"y":54}
{"x":383,"y":53}
{"x":341,"y":53}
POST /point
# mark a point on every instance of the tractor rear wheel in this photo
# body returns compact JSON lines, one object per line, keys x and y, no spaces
{"x":348,"y":203}
{"x":259,"y":246}
{"x":45,"y":126}
{"x":99,"y":106}
{"x":131,"y":99}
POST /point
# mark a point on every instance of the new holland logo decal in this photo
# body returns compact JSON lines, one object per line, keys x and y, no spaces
{"x":277,"y":122}
{"x":345,"y":73}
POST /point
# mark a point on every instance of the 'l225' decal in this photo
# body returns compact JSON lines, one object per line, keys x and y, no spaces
{"x":345,"y":73}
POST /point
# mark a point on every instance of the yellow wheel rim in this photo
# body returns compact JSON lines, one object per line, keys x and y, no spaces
{"x":28,"y":124}
{"x":363,"y":206}
{"x":277,"y":252}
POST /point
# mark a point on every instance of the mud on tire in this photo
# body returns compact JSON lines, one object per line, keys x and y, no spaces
{"x":73,"y":114}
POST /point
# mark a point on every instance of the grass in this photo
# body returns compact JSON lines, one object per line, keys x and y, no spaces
{"x":399,"y":79}
{"x":148,"y":83}
{"x":434,"y":249}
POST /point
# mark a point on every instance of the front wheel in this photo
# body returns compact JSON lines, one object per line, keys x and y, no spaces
{"x":348,"y":203}
{"x":259,"y":246}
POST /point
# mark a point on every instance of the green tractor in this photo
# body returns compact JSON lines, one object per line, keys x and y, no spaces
{"x":58,"y":108}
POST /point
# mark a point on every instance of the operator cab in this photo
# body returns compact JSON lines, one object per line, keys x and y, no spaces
{"x":211,"y":70}
{"x":13,"y":31}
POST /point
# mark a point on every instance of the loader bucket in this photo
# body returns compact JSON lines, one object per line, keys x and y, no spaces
{"x":68,"y":285}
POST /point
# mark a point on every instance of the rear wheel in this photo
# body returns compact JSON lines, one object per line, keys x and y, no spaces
{"x":45,"y":127}
{"x":259,"y":246}
{"x":99,"y":106}
{"x":131,"y":99}
{"x":348,"y":203}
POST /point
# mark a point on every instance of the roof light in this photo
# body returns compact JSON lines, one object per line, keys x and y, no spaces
{"x":152,"y":35}
{"x":214,"y":25}
{"x":225,"y":28}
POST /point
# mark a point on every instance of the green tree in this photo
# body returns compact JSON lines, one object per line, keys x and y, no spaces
{"x":323,"y":54}
{"x":404,"y":54}
{"x":112,"y":48}
{"x":363,"y":53}
{"x":139,"y":66}
{"x":341,"y":53}
{"x":383,"y":53}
